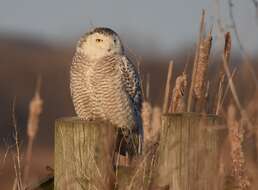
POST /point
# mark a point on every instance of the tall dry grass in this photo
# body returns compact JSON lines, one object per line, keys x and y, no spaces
{"x":21,"y":166}
{"x":18,"y":183}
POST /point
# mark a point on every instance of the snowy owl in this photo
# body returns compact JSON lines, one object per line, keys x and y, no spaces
{"x":105,"y":84}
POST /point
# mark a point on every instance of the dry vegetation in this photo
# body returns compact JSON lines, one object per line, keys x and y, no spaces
{"x":193,"y":90}
{"x":225,"y":102}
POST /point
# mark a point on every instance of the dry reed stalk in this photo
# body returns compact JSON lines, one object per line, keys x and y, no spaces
{"x":227,"y":47}
{"x":218,"y":98}
{"x":18,"y":185}
{"x":35,"y":110}
{"x":3,"y":160}
{"x":235,"y":96}
{"x":201,"y":71}
{"x":221,"y":83}
{"x":236,"y":138}
{"x":145,"y":167}
{"x":166,"y":96}
{"x":227,"y":89}
{"x":178,"y":102}
{"x":190,"y":95}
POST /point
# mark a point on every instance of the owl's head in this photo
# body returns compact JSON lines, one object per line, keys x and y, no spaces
{"x":100,"y":42}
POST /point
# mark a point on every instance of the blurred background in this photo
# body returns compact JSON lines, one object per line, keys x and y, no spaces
{"x":38,"y":38}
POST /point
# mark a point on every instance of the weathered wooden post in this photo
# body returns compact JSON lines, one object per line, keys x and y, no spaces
{"x":83,"y":154}
{"x":189,"y":152}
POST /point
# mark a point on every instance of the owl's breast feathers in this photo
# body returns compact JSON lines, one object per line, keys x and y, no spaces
{"x":109,"y":88}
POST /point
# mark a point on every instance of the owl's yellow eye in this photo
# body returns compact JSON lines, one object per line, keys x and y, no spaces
{"x":99,"y":40}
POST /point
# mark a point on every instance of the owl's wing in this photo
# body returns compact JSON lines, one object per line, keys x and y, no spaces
{"x":132,"y":82}
{"x":132,"y":85}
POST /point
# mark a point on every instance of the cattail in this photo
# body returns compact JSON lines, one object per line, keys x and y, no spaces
{"x":202,"y":67}
{"x":236,"y":138}
{"x":201,"y":32}
{"x":151,"y":136}
{"x":35,"y":110}
{"x":146,"y":119}
{"x":201,"y":71}
{"x":178,"y":102}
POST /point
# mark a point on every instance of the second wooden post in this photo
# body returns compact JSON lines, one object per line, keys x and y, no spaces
{"x":190,"y":145}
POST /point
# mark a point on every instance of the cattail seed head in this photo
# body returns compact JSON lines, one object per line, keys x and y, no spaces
{"x":35,"y":110}
{"x":236,"y":138}
{"x":178,"y":103}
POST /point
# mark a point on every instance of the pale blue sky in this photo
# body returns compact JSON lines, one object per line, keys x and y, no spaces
{"x":165,"y":24}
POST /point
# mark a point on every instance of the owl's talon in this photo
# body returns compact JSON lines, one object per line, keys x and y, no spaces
{"x":86,"y":119}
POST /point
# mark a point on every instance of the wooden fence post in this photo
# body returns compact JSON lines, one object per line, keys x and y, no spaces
{"x":83,"y":154}
{"x":188,"y":156}
{"x":189,"y":151}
